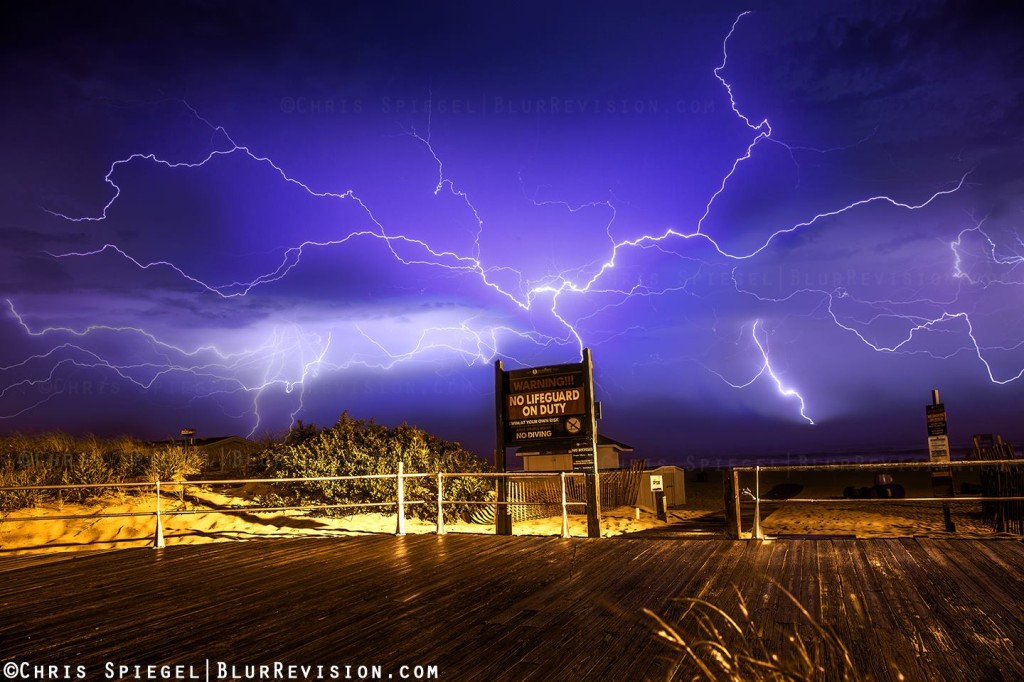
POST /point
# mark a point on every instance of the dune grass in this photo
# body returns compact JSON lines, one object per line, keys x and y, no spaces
{"x":57,"y":458}
{"x":711,"y":644}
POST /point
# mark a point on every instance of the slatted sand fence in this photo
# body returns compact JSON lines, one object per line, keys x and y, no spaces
{"x":1003,"y":480}
{"x":540,"y":497}
{"x":544,"y":494}
{"x":619,"y":487}
{"x":533,"y":497}
{"x":483,"y":607}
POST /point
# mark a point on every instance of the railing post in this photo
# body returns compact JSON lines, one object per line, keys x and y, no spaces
{"x":158,"y":541}
{"x":731,"y":491}
{"x":565,"y":511}
{"x":400,"y":529}
{"x":440,"y":504}
{"x":756,"y":531}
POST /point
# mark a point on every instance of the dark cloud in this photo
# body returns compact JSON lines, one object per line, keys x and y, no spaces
{"x":513,"y":145}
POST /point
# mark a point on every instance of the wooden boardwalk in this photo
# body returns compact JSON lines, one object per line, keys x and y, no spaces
{"x":510,"y":608}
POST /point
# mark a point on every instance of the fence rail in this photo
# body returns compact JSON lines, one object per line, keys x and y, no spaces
{"x":985,"y":466}
{"x":399,"y":503}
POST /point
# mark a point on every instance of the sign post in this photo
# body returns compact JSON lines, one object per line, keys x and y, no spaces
{"x":658,"y":488}
{"x":938,"y":453}
{"x":590,"y":469}
{"x":502,"y":517}
{"x":552,"y":408}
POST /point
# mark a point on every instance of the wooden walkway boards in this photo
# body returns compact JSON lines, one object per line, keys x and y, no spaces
{"x":515,"y":608}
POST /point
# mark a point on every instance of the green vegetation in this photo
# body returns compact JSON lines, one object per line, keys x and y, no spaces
{"x":60,"y":459}
{"x":349,"y":448}
{"x":358,"y":448}
{"x":712,"y":645}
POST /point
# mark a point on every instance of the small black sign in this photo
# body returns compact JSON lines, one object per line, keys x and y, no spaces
{"x":582,"y":453}
{"x":936,"y":416}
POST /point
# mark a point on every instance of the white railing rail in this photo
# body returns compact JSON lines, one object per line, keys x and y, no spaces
{"x":399,"y":503}
{"x":755,"y":495}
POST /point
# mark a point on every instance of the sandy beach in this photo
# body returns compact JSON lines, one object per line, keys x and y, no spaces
{"x":866,"y":518}
{"x":204,"y":515}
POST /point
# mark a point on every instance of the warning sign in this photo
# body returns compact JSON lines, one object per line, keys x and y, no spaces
{"x":546,"y":403}
{"x":938,"y":449}
{"x":549,"y":408}
{"x":936,"y":416}
{"x":938,"y":433}
{"x":938,"y":453}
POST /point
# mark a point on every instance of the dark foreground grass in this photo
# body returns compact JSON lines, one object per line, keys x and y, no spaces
{"x":711,"y":644}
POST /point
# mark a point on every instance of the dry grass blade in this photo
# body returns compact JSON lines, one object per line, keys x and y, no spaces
{"x":669,"y":634}
{"x":713,"y":645}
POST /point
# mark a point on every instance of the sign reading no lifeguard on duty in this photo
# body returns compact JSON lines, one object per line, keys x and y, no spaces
{"x":551,"y":409}
{"x":546,"y":403}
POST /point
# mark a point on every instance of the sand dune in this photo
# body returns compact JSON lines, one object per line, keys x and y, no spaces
{"x":205,"y":515}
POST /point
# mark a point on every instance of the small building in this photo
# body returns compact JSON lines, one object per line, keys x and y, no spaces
{"x":225,"y":454}
{"x":539,"y":459}
{"x":221,"y":454}
{"x":673,"y":481}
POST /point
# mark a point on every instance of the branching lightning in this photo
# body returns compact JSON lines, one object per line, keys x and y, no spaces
{"x":289,"y":359}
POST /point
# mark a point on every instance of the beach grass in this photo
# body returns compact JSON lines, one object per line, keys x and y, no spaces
{"x":711,"y":644}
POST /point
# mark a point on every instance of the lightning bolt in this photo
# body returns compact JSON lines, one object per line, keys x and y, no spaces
{"x":291,"y":358}
{"x":766,"y":370}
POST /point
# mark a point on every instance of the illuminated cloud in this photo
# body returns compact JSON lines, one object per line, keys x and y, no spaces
{"x":740,"y":214}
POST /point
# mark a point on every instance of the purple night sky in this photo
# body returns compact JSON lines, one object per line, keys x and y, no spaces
{"x":231,"y":216}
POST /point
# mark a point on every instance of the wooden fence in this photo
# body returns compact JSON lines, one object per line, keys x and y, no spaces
{"x":1001,"y":481}
{"x":619,"y":488}
{"x":542,"y":496}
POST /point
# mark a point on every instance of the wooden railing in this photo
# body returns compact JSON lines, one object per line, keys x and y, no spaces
{"x":735,"y":494}
{"x":554,"y":483}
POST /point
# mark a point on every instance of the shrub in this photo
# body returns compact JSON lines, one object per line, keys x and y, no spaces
{"x":172,"y":463}
{"x":358,"y":448}
{"x":10,"y":500}
{"x":86,"y":468}
{"x":59,"y":459}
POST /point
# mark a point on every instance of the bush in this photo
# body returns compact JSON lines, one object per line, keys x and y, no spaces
{"x":172,"y":463}
{"x":59,"y":459}
{"x":86,"y":468}
{"x":358,"y":448}
{"x":11,"y":500}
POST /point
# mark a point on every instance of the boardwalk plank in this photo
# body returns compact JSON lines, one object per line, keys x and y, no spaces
{"x":888,"y":651}
{"x":842,"y":611}
{"x":914,"y":631}
{"x":988,"y":610}
{"x":498,"y":608}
